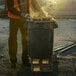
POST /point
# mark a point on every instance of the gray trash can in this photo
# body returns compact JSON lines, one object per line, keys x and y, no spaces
{"x":40,"y":33}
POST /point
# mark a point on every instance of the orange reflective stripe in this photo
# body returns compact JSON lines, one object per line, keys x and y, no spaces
{"x":10,"y":15}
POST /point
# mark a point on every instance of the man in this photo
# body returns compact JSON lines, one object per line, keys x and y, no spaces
{"x":16,"y":22}
{"x":16,"y":13}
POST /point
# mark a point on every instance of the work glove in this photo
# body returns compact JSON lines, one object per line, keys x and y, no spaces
{"x":25,"y":15}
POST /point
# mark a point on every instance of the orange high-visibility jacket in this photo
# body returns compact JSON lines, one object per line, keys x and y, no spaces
{"x":14,"y":7}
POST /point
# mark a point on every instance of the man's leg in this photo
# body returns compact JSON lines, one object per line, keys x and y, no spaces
{"x":23,"y":29}
{"x":12,"y":42}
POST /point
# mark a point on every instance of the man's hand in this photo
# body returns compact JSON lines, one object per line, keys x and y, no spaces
{"x":22,"y":14}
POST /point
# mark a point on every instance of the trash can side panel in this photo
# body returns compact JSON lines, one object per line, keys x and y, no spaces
{"x":40,"y":40}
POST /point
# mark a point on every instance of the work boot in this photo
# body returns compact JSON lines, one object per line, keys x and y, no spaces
{"x":13,"y":65}
{"x":26,"y":63}
{"x":25,"y":60}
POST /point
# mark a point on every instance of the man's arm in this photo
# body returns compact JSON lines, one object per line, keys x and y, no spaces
{"x":10,"y":6}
